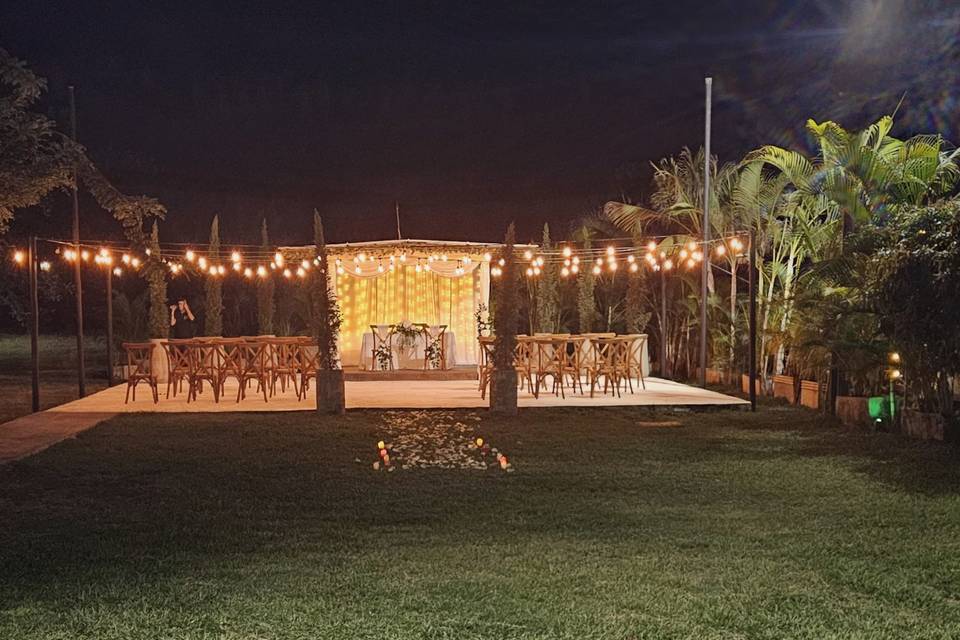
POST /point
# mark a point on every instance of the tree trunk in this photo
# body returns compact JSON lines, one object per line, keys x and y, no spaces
{"x":331,"y":395}
{"x":503,"y":393}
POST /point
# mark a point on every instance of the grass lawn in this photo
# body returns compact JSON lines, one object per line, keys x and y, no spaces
{"x":726,"y":525}
{"x":58,"y":373}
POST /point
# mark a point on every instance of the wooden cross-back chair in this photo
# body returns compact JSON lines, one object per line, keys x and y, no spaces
{"x":206,"y":367}
{"x":523,"y":363}
{"x":140,"y":368}
{"x":485,"y":372}
{"x":605,"y":362}
{"x":230,"y":355}
{"x":254,"y":365}
{"x":308,"y":364}
{"x":382,"y":338}
{"x":635,"y":347}
{"x":434,"y":335}
{"x":282,"y":363}
{"x":179,"y":364}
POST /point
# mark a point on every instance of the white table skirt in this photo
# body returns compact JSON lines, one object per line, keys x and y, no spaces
{"x":407,"y":356}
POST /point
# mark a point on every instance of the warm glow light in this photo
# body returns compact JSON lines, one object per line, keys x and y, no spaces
{"x":528,"y":255}
{"x":651,"y":246}
{"x":613,"y":265}
{"x":44,"y":266}
{"x":117,"y":271}
{"x":286,"y":273}
{"x":235,"y":256}
{"x":691,"y":263}
{"x":221,"y":269}
{"x":698,"y":256}
{"x":19,"y":257}
{"x":567,"y":252}
{"x":565,"y":272}
{"x":278,"y":258}
{"x":103,"y":252}
{"x":599,"y":261}
{"x":683,"y":254}
{"x":261,"y":271}
{"x":596,"y":270}
{"x":529,"y":272}
{"x":301,"y":271}
{"x":502,"y":262}
{"x":610,"y":250}
{"x":135,"y":262}
{"x":84,"y":255}
{"x":487,"y":257}
{"x":630,"y":258}
{"x":895,"y":373}
{"x":213,"y":270}
{"x":190,"y":255}
{"x":247,"y":272}
{"x":894,"y":357}
{"x":575,"y":269}
{"x":634,"y":267}
{"x":575,"y":260}
{"x":668,"y":264}
{"x":202,"y":263}
{"x":720,"y":250}
{"x":691,"y":245}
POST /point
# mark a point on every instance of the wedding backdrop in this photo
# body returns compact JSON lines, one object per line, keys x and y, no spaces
{"x":408,"y":282}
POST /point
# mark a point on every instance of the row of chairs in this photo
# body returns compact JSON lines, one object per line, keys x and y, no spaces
{"x":570,"y":359}
{"x":211,"y":362}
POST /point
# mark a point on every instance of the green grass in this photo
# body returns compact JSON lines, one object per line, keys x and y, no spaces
{"x":731,"y":525}
{"x":58,"y":373}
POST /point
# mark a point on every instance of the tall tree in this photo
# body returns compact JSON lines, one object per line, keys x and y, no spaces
{"x":213,"y":286}
{"x":156,"y":276}
{"x":586,"y":301}
{"x":34,"y":158}
{"x":503,"y":388}
{"x":265,"y":302}
{"x":327,"y":321}
{"x":548,"y":300}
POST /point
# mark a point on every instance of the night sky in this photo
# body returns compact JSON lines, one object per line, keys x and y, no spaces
{"x":469,"y":115}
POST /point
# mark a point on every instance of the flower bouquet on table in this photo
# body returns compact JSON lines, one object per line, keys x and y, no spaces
{"x":407,"y":334}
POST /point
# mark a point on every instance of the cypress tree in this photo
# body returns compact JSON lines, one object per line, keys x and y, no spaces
{"x":213,"y":286}
{"x":265,"y":289}
{"x":547,"y":292}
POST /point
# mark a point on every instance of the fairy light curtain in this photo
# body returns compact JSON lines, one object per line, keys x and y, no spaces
{"x":447,"y":292}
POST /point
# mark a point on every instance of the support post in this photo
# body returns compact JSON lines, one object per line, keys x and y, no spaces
{"x":663,"y":323}
{"x":77,"y":281}
{"x":705,"y":263}
{"x":753,"y":320}
{"x":109,"y":325}
{"x":34,"y":326}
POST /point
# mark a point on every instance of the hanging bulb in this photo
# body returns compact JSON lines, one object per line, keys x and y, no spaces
{"x":278,"y":258}
{"x":301,"y":271}
{"x":221,"y":269}
{"x":190,"y":255}
{"x":248,"y":272}
{"x":651,"y":246}
{"x":610,"y":250}
{"x":667,"y":265}
{"x":567,"y":252}
{"x":286,"y":273}
{"x":261,"y":270}
{"x":202,"y":263}
{"x":596,"y":270}
{"x":235,"y":256}
{"x":487,"y":257}
{"x":135,"y":262}
{"x":528,"y":255}
{"x":19,"y":257}
{"x":117,"y":271}
{"x":683,"y":254}
{"x":575,"y":269}
{"x":575,"y":260}
{"x":631,"y":258}
{"x":633,"y":267}
{"x":564,"y":272}
{"x":44,"y":265}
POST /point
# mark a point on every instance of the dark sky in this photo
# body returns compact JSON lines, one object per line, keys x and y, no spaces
{"x":470,"y":115}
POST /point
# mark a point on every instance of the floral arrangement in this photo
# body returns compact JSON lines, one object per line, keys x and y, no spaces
{"x":433,"y":353}
{"x":383,"y":355}
{"x":484,"y":320}
{"x":407,"y":332}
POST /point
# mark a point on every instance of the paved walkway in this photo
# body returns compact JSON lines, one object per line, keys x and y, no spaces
{"x":28,"y":435}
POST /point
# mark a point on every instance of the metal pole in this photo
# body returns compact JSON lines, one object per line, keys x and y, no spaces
{"x":34,"y":326}
{"x":77,"y":282}
{"x":705,"y":264}
{"x":753,"y":320}
{"x":663,"y":323}
{"x":109,"y":325}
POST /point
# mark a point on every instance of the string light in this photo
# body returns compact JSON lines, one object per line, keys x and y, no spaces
{"x":235,"y":256}
{"x":44,"y":265}
{"x":190,"y":255}
{"x":278,"y":258}
{"x":19,"y":257}
{"x":117,"y":271}
{"x":286,"y":273}
{"x":487,"y":257}
{"x":567,"y":252}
